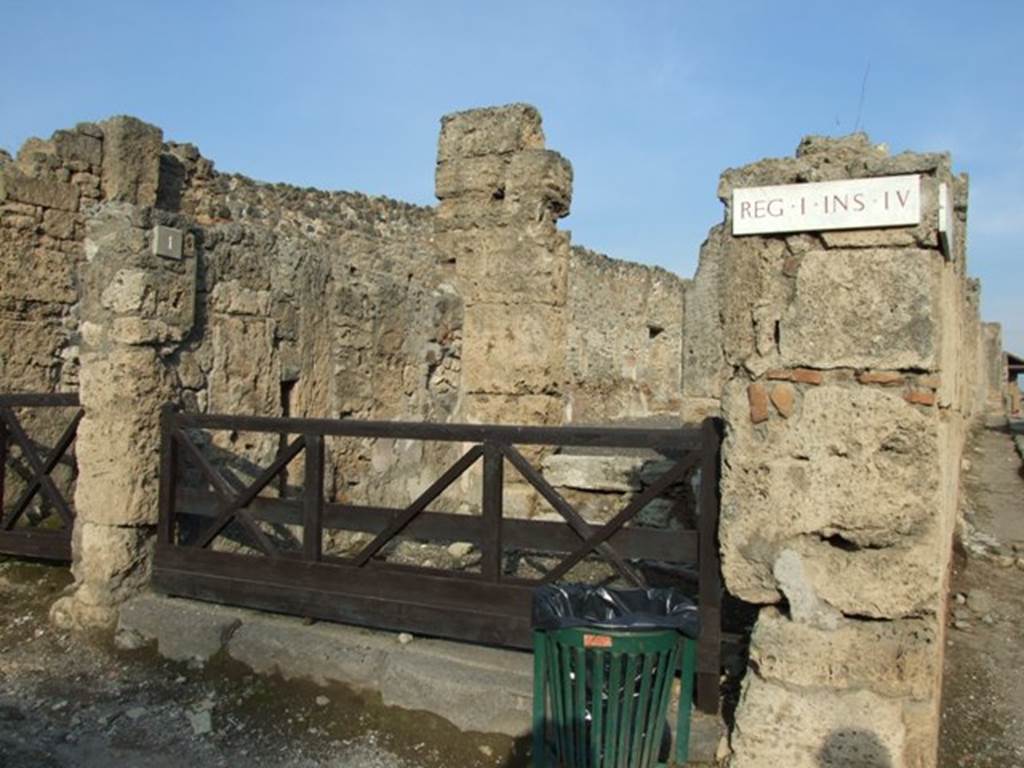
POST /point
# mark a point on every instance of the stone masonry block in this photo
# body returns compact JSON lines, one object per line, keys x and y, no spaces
{"x":864,"y":309}
{"x":890,"y":658}
{"x":49,"y":194}
{"x":920,"y":397}
{"x":513,"y":350}
{"x":119,"y":440}
{"x":74,"y":146}
{"x":757,"y":396}
{"x":59,"y":224}
{"x":505,"y":267}
{"x":870,"y":238}
{"x":480,"y":174}
{"x":783,"y":397}
{"x":131,"y":160}
{"x":28,"y":353}
{"x":882,"y":378}
{"x":541,"y":175}
{"x":530,"y":410}
{"x":183,"y":629}
{"x":779,"y":725}
{"x":244,"y":375}
{"x":39,"y":275}
{"x":110,"y":560}
{"x":886,"y":582}
{"x":489,"y":131}
{"x":594,"y":473}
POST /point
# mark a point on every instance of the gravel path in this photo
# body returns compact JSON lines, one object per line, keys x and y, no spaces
{"x":983,"y":690}
{"x":68,"y":700}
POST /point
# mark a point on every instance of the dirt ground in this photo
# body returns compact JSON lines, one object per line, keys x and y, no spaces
{"x":69,"y":701}
{"x":983,"y":691}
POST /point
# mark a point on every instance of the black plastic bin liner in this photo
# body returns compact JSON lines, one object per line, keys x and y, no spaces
{"x":581,"y":606}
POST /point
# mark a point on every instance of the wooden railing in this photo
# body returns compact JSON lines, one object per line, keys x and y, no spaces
{"x":28,"y":540}
{"x":489,"y":606}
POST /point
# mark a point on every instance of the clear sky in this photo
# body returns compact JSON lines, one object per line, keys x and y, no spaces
{"x":649,"y":100}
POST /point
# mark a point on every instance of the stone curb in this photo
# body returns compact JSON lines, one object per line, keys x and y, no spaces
{"x":476,"y":688}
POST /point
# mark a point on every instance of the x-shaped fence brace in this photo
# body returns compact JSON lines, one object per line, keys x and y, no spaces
{"x":592,"y":539}
{"x":233,"y":503}
{"x":40,"y":480}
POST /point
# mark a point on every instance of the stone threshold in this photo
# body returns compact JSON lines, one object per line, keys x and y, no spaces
{"x":476,"y":688}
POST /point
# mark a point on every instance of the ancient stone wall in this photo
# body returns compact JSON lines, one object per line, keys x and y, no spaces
{"x":625,"y":339}
{"x":501,"y":193}
{"x":310,"y":303}
{"x":993,"y":375}
{"x":42,"y":193}
{"x":45,"y":195}
{"x":841,"y":363}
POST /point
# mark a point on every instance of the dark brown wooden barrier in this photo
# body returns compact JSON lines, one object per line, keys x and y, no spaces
{"x":488,"y":606}
{"x":42,"y":539}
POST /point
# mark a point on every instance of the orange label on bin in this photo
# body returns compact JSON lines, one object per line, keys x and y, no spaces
{"x":597,"y":641}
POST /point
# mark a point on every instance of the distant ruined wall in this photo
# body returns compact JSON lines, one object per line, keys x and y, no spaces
{"x":840,"y":361}
{"x":993,"y":375}
{"x":625,"y":339}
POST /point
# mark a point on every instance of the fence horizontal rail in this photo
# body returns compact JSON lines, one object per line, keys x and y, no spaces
{"x":39,"y":400}
{"x":657,"y":438}
{"x":539,"y":535}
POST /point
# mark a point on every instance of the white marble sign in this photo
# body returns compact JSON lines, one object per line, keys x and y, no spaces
{"x":946,"y":220}
{"x":885,"y":201}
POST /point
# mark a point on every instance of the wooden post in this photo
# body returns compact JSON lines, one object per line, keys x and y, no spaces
{"x":313,"y":499}
{"x":168,"y":476}
{"x":490,"y":534}
{"x":710,"y":593}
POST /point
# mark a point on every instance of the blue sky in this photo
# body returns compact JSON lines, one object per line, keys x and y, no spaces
{"x":649,"y":100}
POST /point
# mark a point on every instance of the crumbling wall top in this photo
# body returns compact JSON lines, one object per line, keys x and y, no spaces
{"x":830,"y":158}
{"x":490,"y":131}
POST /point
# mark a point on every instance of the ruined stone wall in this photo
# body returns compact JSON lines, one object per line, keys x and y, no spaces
{"x":993,"y":375}
{"x":319,"y":303}
{"x":310,"y":303}
{"x":501,"y":193}
{"x":840,"y":362}
{"x":322,"y":304}
{"x":46,"y":192}
{"x":553,"y":334}
{"x":625,"y":339}
{"x":43,"y":192}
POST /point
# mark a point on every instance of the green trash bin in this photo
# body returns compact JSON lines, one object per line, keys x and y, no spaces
{"x":606,"y":692}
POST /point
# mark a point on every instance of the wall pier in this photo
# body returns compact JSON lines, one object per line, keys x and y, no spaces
{"x":501,"y":194}
{"x":845,"y":401}
{"x":135,"y":308}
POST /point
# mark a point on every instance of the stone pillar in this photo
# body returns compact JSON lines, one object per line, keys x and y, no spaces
{"x":839,"y":360}
{"x":994,"y":371}
{"x":501,"y":194}
{"x":135,"y":307}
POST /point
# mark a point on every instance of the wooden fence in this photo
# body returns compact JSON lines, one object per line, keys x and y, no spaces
{"x":50,"y":536}
{"x":487,"y":605}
